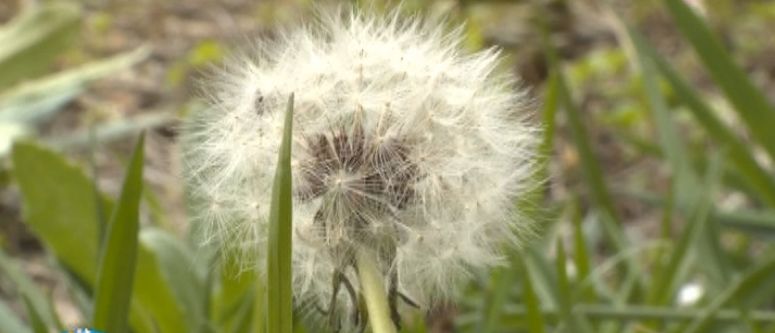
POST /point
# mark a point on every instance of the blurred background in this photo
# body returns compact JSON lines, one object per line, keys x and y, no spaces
{"x":658,"y":213}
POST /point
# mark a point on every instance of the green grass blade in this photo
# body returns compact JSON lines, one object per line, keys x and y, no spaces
{"x":153,"y":297}
{"x":755,"y":177}
{"x":750,"y":103}
{"x":34,"y":38}
{"x":280,"y":295}
{"x":542,"y":274}
{"x":242,"y":318}
{"x":183,"y":274}
{"x":64,"y":218}
{"x":259,"y":311}
{"x":754,"y":223}
{"x":34,"y":298}
{"x":231,"y":297}
{"x":636,"y":313}
{"x":38,"y":100}
{"x":581,"y":256}
{"x":115,"y":277}
{"x":667,"y":282}
{"x":34,"y":317}
{"x":710,"y":252}
{"x":494,"y":299}
{"x":563,"y":285}
{"x":572,"y":321}
{"x":685,"y":181}
{"x":8,"y":320}
{"x":747,"y":287}
{"x":593,"y":176}
{"x":535,"y":318}
{"x":592,"y":171}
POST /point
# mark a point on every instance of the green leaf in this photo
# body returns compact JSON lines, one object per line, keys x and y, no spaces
{"x":112,"y":131}
{"x":750,"y":103}
{"x":38,"y":326}
{"x":65,"y":218}
{"x":10,"y":132}
{"x":153,"y":297}
{"x":34,"y":38}
{"x":9,"y":322}
{"x":243,"y":314}
{"x":34,"y":298}
{"x":183,"y":274}
{"x":230,"y":300}
{"x":37,"y":100}
{"x":115,"y":277}
{"x":259,"y":311}
{"x":280,"y":295}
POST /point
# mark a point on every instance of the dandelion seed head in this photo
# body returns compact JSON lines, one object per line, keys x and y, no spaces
{"x":403,"y":143}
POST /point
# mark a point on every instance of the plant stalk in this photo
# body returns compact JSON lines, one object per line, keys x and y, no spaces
{"x":373,"y":288}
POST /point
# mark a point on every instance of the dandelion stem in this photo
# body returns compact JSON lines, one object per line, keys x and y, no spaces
{"x":374,"y":293}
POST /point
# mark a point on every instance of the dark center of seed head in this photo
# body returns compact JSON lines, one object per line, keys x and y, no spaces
{"x":362,"y":179}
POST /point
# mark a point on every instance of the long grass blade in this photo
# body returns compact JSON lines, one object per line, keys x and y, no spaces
{"x":573,"y":322}
{"x":280,"y":302}
{"x":750,"y":102}
{"x":755,"y":177}
{"x":117,"y":262}
{"x":593,"y":176}
{"x":35,"y":300}
{"x":581,"y":256}
{"x":34,"y":38}
{"x":685,"y":181}
{"x":535,"y":318}
{"x":35,"y":319}
{"x":744,"y":288}
{"x":667,"y":282}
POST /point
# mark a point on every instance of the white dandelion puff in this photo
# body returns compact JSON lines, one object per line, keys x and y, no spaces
{"x":403,"y":144}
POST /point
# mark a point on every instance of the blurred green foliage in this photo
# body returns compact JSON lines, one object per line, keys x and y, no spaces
{"x":31,"y":42}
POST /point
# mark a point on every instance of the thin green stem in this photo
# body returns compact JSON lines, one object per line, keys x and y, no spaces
{"x":374,"y":292}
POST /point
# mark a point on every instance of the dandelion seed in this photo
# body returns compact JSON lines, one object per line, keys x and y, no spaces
{"x":403,"y":145}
